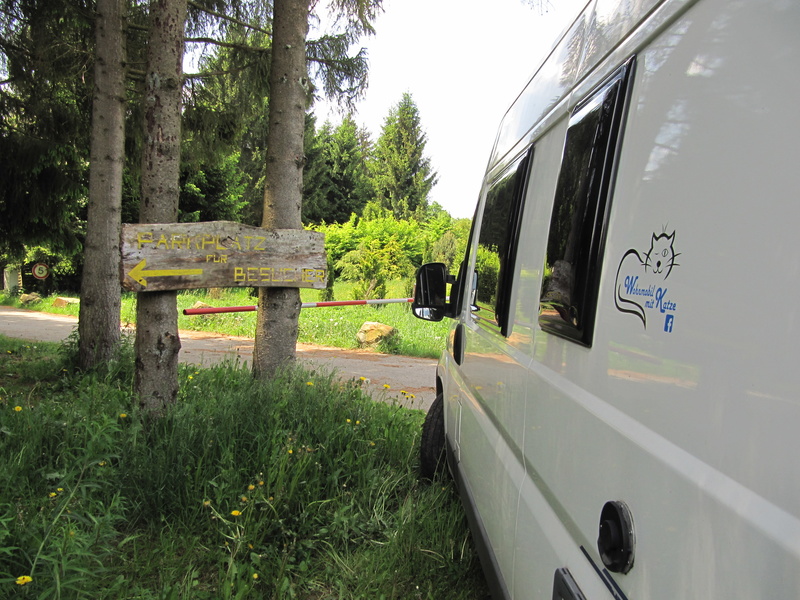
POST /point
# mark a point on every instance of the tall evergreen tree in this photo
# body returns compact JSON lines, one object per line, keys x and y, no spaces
{"x":338,"y":184}
{"x":45,"y":96}
{"x":157,"y":340}
{"x":98,"y":326}
{"x":401,"y":174}
{"x":290,"y":89}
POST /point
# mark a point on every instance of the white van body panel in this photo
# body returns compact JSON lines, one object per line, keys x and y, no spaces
{"x":685,"y":405}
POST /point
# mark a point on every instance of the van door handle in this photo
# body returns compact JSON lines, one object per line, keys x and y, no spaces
{"x":459,"y":344}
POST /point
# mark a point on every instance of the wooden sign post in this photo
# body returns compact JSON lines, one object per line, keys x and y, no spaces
{"x":179,"y":256}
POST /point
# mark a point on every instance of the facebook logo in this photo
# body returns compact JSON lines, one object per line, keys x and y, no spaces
{"x":668,"y":323}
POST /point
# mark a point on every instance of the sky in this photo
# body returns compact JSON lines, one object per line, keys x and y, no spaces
{"x":463,"y":62}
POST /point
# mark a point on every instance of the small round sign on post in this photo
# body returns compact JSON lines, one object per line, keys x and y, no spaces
{"x":40,"y":271}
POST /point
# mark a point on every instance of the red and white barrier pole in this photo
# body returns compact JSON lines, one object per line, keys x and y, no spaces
{"x":229,"y":309}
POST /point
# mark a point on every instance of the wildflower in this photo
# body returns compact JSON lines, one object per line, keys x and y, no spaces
{"x":191,"y":376}
{"x":18,"y":408}
{"x":59,"y":490}
{"x":251,"y":487}
{"x":291,"y":451}
{"x":405,"y":393}
{"x":250,"y":546}
{"x":102,"y":463}
{"x":358,"y":422}
{"x":123,"y":415}
{"x":386,"y":386}
{"x":243,"y":498}
{"x":362,"y":378}
{"x":260,"y":483}
{"x":23,"y":579}
{"x":52,"y":494}
{"x":309,"y":383}
{"x":206,"y":502}
{"x":372,"y":443}
{"x":236,"y":513}
{"x":255,"y":575}
{"x":348,"y":420}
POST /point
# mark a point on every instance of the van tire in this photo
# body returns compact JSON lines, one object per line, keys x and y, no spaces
{"x":432,"y":449}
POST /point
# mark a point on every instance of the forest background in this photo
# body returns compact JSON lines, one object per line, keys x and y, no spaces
{"x":369,"y":195}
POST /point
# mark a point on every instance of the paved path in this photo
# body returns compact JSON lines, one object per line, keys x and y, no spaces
{"x":402,"y":373}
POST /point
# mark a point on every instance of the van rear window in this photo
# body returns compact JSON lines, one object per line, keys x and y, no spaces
{"x":578,"y":221}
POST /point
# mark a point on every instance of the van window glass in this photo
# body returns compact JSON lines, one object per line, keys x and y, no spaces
{"x":578,"y":221}
{"x":497,"y":245}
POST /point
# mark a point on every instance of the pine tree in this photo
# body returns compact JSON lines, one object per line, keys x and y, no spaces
{"x":157,"y":340}
{"x":98,"y":326}
{"x":401,"y":174}
{"x":337,"y":183}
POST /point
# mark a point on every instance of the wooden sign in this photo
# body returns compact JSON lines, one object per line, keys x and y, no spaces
{"x":179,"y":256}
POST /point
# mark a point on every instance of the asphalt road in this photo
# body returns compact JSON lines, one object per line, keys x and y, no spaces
{"x":401,"y":373}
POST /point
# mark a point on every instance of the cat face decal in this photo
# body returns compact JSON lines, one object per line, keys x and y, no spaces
{"x":640,"y":288}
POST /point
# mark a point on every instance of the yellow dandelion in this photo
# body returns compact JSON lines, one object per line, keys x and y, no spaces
{"x":191,"y":376}
{"x":386,"y":386}
{"x":405,"y":393}
{"x":18,"y":409}
{"x":348,"y":420}
{"x":309,"y":383}
{"x":23,"y":580}
{"x":236,"y":513}
{"x":412,"y":396}
{"x":251,"y":487}
{"x":372,"y":443}
{"x":52,"y":494}
{"x":250,"y":546}
{"x":123,"y":415}
{"x":206,"y":502}
{"x":358,"y":422}
{"x":260,"y":483}
{"x":255,"y":575}
{"x":59,"y":490}
{"x":291,"y":451}
{"x":243,"y":498}
{"x":102,"y":463}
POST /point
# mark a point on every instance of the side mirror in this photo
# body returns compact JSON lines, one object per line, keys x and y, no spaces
{"x":430,"y":292}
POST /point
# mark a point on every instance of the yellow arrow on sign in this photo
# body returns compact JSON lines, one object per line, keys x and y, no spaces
{"x":138,"y":273}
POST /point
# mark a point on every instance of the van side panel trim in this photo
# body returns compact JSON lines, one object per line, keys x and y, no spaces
{"x":491,"y":570}
{"x":606,"y":577}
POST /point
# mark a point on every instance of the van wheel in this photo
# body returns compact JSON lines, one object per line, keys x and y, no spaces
{"x":432,"y":450}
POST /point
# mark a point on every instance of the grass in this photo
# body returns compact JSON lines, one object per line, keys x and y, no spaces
{"x":331,"y":326}
{"x":298,"y":487}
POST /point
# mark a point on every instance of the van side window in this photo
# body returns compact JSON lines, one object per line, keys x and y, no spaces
{"x":497,"y":245}
{"x":578,"y":222}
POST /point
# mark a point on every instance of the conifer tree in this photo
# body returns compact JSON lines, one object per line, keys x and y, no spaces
{"x":98,"y":326}
{"x":401,"y":174}
{"x":338,"y":183}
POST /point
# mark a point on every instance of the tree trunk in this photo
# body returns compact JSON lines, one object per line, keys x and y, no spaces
{"x":157,"y":340}
{"x":98,"y":325}
{"x":279,"y":308}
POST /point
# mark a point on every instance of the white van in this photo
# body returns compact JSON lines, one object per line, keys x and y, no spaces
{"x":620,"y":394}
